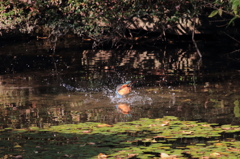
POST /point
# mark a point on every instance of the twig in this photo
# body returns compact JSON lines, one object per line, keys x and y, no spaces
{"x":194,"y":42}
{"x":232,"y":52}
{"x":231,"y":37}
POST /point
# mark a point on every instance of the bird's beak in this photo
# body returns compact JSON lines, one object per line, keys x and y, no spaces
{"x":130,"y":84}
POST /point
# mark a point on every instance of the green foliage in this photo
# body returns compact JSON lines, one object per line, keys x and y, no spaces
{"x":231,"y":7}
{"x":97,"y":19}
{"x":235,"y":6}
{"x":86,"y":18}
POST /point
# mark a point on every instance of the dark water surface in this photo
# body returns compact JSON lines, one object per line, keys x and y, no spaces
{"x":41,"y":86}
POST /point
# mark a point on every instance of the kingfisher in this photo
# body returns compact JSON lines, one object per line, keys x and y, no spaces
{"x":123,"y":89}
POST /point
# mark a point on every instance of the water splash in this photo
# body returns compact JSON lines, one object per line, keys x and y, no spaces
{"x":133,"y":99}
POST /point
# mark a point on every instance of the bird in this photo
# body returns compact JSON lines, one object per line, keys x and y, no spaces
{"x":123,"y":89}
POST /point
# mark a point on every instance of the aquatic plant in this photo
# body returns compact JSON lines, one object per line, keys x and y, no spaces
{"x":144,"y":138}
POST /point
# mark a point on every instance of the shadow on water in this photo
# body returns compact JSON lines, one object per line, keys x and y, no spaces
{"x":76,"y":85}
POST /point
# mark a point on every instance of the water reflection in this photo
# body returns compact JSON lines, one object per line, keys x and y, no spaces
{"x":79,"y":85}
{"x":123,"y":108}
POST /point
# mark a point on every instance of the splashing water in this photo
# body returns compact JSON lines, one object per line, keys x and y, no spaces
{"x":133,"y":99}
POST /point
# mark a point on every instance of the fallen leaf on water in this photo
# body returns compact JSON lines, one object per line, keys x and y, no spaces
{"x":165,"y":123}
{"x":215,"y":154}
{"x":187,"y":132}
{"x":220,"y":144}
{"x":233,"y":149}
{"x":104,"y":125}
{"x":132,"y":155}
{"x":206,"y":125}
{"x":87,"y":131}
{"x":166,"y":156}
{"x":227,"y":128}
{"x":102,"y":156}
{"x":91,"y":143}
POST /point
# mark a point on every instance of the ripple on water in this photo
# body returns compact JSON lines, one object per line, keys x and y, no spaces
{"x":134,"y":99}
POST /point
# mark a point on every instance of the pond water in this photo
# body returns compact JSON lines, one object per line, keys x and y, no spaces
{"x":43,"y":85}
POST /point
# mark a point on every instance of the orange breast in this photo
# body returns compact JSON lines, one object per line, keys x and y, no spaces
{"x":124,"y":90}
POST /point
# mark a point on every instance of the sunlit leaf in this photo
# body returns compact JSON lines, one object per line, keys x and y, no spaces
{"x":220,"y":12}
{"x":213,"y":13}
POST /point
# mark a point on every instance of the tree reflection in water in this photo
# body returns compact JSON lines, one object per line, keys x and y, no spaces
{"x":78,"y":85}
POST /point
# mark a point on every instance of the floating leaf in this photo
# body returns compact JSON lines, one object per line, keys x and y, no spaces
{"x":104,"y":125}
{"x":215,"y":154}
{"x":87,"y":131}
{"x":102,"y":156}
